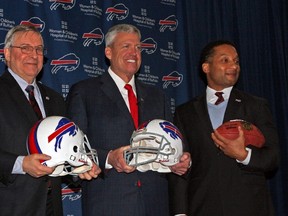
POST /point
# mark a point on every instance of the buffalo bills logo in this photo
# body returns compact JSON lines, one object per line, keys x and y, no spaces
{"x":170,"y":23}
{"x":66,"y":4}
{"x":2,"y":59}
{"x":170,"y":129}
{"x":69,"y":62}
{"x":173,"y":78}
{"x":119,"y":11}
{"x":148,"y":45}
{"x":35,"y":22}
{"x":96,"y":36}
{"x":64,"y":127}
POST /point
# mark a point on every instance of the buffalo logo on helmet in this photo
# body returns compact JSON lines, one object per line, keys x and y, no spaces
{"x":118,"y":11}
{"x":65,"y":4}
{"x":64,"y":126}
{"x":65,"y":143}
{"x":170,"y":23}
{"x":155,"y":145}
{"x":68,"y":62}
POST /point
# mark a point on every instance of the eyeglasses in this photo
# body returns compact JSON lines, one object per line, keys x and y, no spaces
{"x":27,"y":49}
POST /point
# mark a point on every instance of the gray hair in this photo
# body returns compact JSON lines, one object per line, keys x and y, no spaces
{"x":9,"y":39}
{"x":114,"y":30}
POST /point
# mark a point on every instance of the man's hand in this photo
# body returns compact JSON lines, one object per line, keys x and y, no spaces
{"x":183,"y":165}
{"x":93,"y":173}
{"x":232,"y":148}
{"x":116,"y":159}
{"x":32,"y":166}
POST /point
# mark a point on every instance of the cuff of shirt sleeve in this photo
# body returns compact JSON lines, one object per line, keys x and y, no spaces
{"x":18,"y":168}
{"x":247,"y":159}
{"x":107,"y":165}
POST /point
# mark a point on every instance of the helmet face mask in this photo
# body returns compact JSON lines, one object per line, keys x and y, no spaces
{"x":155,"y":146}
{"x":68,"y":146}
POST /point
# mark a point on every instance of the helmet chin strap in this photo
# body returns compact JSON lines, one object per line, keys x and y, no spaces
{"x":154,"y":166}
{"x":81,"y":169}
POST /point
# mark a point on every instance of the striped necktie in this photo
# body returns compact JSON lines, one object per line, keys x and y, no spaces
{"x":33,"y":102}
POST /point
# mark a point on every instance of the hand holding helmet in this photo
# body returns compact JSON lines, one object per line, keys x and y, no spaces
{"x":155,"y":146}
{"x":67,"y":145}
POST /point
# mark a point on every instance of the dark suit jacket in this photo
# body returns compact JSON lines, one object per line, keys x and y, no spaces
{"x":217,"y":185}
{"x":23,"y":194}
{"x":97,"y":106}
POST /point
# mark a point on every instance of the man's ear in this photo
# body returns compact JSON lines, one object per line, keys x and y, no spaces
{"x":7,"y":54}
{"x":205,"y":67}
{"x":108,"y":52}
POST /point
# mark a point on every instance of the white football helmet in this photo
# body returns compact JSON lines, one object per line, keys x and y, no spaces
{"x":155,"y":146}
{"x":67,"y":145}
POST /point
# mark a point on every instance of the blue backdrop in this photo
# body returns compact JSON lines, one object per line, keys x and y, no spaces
{"x":173,"y":32}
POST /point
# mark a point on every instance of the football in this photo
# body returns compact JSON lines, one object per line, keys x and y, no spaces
{"x":253,"y":136}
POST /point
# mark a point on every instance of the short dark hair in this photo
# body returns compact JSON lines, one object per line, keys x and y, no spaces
{"x":207,"y":52}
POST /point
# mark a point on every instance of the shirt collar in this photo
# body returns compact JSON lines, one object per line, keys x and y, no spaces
{"x":211,"y":97}
{"x":120,"y":83}
{"x":21,"y":82}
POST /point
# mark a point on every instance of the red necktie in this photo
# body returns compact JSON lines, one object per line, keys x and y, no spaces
{"x":33,"y":102}
{"x":220,"y":98}
{"x":133,"y":104}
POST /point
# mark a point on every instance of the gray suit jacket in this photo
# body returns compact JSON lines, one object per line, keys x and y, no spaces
{"x":23,"y":194}
{"x":216,"y":184}
{"x":97,"y":106}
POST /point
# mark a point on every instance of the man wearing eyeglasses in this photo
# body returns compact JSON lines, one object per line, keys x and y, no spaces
{"x":25,"y":187}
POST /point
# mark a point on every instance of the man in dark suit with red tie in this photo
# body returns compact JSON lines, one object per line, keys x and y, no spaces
{"x":101,"y":107}
{"x":226,"y":177}
{"x":25,"y":187}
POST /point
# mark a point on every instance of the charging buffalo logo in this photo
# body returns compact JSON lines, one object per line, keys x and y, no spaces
{"x":118,"y":11}
{"x":65,"y":4}
{"x":64,"y":127}
{"x":173,"y":78}
{"x":36,"y":22}
{"x":170,"y":129}
{"x":96,"y":36}
{"x":69,"y":62}
{"x":148,"y":45}
{"x":2,"y":58}
{"x":170,"y":23}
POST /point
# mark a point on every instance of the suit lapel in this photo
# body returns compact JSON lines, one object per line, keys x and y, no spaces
{"x":46,"y":100}
{"x":19,"y":97}
{"x":202,"y":111}
{"x":234,"y":105}
{"x":110,"y":88}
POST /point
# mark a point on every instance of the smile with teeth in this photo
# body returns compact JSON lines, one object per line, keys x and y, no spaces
{"x":131,"y":60}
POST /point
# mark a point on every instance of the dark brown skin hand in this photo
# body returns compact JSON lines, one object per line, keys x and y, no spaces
{"x":232,"y":148}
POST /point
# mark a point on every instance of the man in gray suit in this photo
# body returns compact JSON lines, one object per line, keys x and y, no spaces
{"x":25,"y":187}
{"x":100,"y":107}
{"x":226,"y":178}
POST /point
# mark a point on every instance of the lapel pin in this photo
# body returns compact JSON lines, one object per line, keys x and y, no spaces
{"x":238,"y":100}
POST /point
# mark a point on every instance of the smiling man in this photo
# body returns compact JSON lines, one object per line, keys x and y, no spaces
{"x":226,"y":178}
{"x":101,"y":108}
